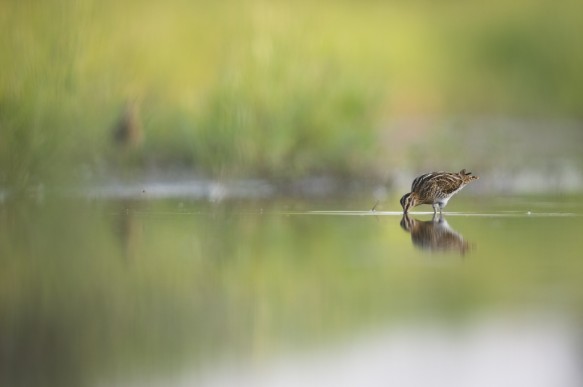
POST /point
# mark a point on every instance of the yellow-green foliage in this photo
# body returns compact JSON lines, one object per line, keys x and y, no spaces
{"x":280,"y":88}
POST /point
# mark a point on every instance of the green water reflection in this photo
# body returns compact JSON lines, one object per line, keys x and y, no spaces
{"x":97,"y":292}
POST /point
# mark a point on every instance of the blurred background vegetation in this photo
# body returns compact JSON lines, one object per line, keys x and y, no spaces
{"x":286,"y":88}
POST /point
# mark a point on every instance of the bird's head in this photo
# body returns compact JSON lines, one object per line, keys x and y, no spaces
{"x":409,"y":200}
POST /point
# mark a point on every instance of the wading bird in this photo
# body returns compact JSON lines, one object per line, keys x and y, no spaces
{"x":435,"y":188}
{"x":127,"y":132}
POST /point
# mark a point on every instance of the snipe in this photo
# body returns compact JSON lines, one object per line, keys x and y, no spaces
{"x":435,"y":188}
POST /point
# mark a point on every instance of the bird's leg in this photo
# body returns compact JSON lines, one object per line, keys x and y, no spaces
{"x":434,"y":205}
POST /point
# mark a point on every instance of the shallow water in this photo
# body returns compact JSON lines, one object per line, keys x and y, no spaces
{"x":287,"y":292}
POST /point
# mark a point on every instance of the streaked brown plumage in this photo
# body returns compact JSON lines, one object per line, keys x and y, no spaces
{"x":435,"y":235}
{"x":435,"y":188}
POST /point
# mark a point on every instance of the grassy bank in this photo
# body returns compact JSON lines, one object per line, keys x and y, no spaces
{"x":268,"y":89}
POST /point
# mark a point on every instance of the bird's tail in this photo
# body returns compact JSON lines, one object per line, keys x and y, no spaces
{"x":467,"y":176}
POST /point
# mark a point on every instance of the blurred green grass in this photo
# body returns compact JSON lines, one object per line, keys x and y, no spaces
{"x":262,"y":88}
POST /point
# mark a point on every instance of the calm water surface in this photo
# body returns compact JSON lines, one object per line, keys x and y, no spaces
{"x":289,"y":292}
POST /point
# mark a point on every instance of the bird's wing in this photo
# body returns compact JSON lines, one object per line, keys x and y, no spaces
{"x":449,"y":182}
{"x":419,"y":181}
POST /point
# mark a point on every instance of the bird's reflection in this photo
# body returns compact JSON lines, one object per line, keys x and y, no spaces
{"x":434,"y":235}
{"x":128,"y":229}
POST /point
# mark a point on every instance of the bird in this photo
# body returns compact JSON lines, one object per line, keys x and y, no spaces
{"x":434,"y":235}
{"x":127,"y":132}
{"x":435,"y":188}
